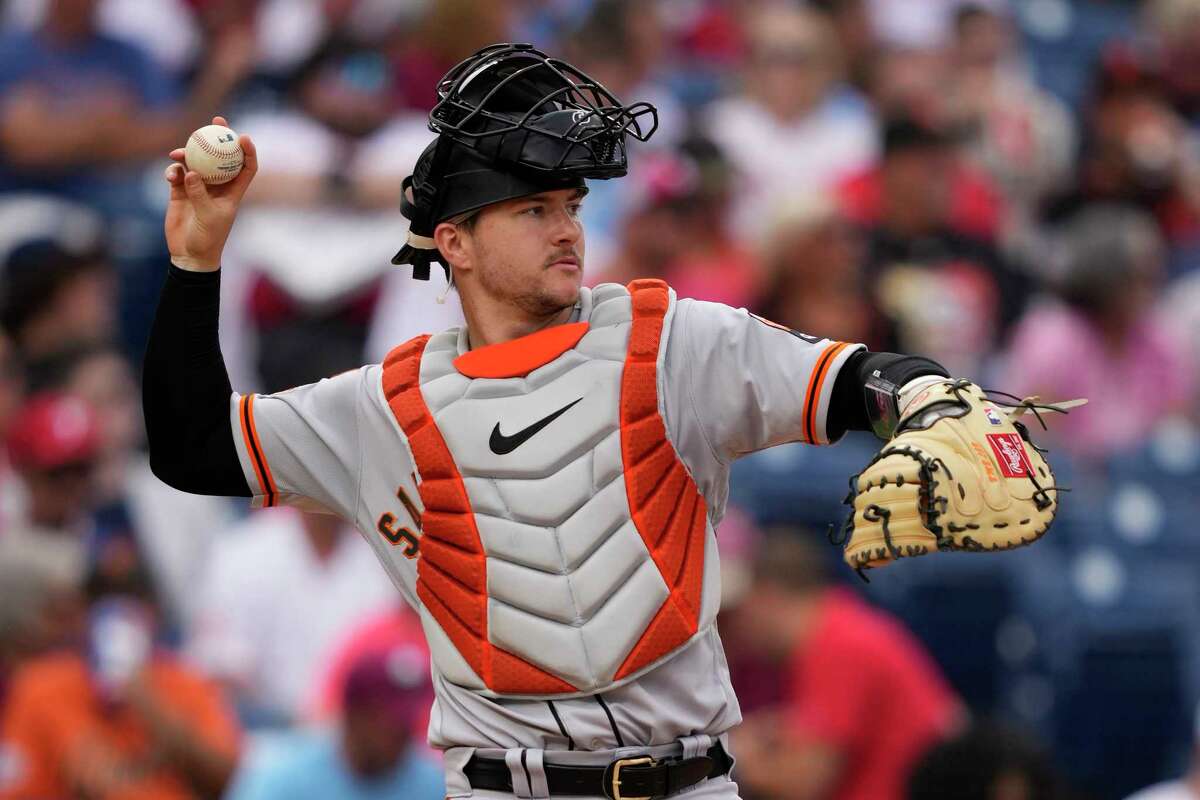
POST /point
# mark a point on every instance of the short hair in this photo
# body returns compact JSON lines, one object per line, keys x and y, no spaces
{"x":55,"y":370}
{"x":35,"y":273}
{"x":1101,"y":250}
{"x":906,"y":133}
{"x":467,"y":220}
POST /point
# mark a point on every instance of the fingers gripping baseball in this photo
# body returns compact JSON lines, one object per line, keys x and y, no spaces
{"x":200,"y":215}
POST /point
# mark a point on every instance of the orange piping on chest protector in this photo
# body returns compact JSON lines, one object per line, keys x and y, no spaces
{"x":452,"y":566}
{"x":519,"y":357}
{"x":258,"y":458}
{"x":666,"y":506}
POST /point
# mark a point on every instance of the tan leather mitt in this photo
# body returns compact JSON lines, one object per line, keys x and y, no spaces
{"x":960,"y":473}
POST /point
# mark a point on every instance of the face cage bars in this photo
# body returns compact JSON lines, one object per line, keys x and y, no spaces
{"x":453,"y":115}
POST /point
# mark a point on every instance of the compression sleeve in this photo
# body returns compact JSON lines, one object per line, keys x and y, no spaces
{"x":848,"y":410}
{"x":186,"y":390}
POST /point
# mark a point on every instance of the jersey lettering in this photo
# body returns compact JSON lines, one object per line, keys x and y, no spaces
{"x":396,"y":536}
{"x":403,"y":535}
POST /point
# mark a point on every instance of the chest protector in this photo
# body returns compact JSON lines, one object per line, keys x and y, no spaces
{"x":563,"y":543}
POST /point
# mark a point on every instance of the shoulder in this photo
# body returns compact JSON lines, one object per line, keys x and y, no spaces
{"x":50,"y":676}
{"x":181,"y":681}
{"x":849,"y":624}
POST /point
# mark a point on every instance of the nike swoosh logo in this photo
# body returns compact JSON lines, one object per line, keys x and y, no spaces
{"x":503,"y":445}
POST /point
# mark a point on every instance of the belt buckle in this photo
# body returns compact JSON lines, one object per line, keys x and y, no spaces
{"x":616,"y":776}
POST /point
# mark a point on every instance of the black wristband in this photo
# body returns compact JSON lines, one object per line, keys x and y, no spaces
{"x":865,"y":392}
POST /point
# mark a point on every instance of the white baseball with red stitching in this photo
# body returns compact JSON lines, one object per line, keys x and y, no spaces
{"x":214,"y":152}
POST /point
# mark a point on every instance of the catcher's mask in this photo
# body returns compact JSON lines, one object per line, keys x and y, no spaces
{"x":512,"y":121}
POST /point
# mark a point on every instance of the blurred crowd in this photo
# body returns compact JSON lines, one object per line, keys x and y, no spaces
{"x":1010,"y":187}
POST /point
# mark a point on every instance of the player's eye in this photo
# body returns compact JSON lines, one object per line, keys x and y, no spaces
{"x":575,"y":208}
{"x":534,"y":211}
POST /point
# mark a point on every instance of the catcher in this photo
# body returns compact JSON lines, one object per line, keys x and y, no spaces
{"x":544,"y":484}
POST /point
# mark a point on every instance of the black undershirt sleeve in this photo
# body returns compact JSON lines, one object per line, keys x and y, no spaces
{"x":848,"y":403}
{"x":186,"y":390}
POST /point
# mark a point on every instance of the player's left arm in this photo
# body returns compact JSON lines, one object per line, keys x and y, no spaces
{"x":749,"y":383}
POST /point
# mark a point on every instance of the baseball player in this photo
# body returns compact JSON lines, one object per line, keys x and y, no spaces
{"x":543,"y":485}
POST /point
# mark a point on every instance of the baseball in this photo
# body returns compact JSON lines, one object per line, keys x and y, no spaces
{"x":214,"y":152}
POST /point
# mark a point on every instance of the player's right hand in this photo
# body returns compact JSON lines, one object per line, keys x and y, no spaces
{"x":200,"y":216}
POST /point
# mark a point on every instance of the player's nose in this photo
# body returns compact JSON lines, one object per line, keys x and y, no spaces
{"x":567,"y":228}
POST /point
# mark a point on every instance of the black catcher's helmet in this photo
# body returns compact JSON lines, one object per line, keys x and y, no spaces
{"x":512,"y":121}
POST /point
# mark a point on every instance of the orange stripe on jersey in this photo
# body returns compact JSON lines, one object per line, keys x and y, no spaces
{"x":815,"y":384}
{"x":452,"y":565}
{"x":667,"y":509}
{"x":258,"y":458}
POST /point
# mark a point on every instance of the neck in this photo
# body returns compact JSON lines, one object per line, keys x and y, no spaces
{"x":491,"y":321}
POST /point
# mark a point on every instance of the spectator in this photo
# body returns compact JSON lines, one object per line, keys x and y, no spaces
{"x":1138,"y":151}
{"x":813,"y":263}
{"x":119,"y":106}
{"x":279,"y":591}
{"x":687,"y":193}
{"x":116,"y":717}
{"x":12,"y":390}
{"x":986,"y":762}
{"x":37,"y":614}
{"x":796,"y":126}
{"x":862,"y":700}
{"x":53,"y":447}
{"x":943,"y":290}
{"x":1021,"y":135}
{"x":623,"y":48}
{"x":1102,"y":333}
{"x":174,"y":530}
{"x":373,"y":755}
{"x":321,"y":219}
{"x":56,"y":297}
{"x":856,"y":37}
{"x":396,"y":627}
{"x":1175,"y":26}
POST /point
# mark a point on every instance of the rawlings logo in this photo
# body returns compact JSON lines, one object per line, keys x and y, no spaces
{"x":1010,"y":454}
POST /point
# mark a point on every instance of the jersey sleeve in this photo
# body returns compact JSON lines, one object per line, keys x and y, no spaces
{"x":746,"y":383}
{"x":302,"y":447}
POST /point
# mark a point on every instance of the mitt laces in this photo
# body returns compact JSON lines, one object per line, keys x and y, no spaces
{"x":929,"y":504}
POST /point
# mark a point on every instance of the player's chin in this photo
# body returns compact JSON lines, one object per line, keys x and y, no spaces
{"x":562,"y":281}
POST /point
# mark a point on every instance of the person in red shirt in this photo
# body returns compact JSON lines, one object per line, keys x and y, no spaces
{"x":862,"y":701}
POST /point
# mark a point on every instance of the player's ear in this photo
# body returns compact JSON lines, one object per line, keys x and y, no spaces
{"x":454,"y":242}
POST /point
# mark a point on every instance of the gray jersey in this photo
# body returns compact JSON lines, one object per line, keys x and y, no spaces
{"x":728,"y":383}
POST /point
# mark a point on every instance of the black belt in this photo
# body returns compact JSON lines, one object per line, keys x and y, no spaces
{"x":632,"y":778}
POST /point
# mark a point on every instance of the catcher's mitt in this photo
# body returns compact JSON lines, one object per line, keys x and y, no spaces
{"x":960,"y":473}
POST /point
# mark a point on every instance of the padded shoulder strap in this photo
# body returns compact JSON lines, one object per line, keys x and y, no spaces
{"x":668,"y":510}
